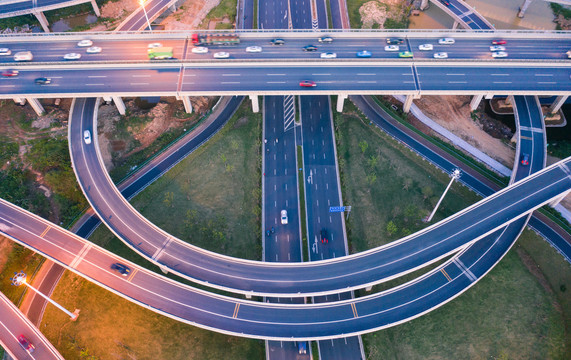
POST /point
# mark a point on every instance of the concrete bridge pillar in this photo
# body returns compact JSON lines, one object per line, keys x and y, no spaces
{"x":255,"y":103}
{"x":559,"y":101}
{"x":340,"y":101}
{"x":20,"y":101}
{"x":35,"y":104}
{"x":455,"y":25}
{"x":424,"y":5}
{"x":408,"y":102}
{"x":475,"y":102}
{"x":523,"y":8}
{"x":95,"y":8}
{"x":43,"y":21}
{"x":489,"y":96}
{"x":187,"y":104}
{"x":119,"y":103}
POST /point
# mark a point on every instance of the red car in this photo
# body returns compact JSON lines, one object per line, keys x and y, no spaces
{"x":10,"y":73}
{"x":324,"y":239}
{"x":26,"y":344}
{"x":499,"y":42}
{"x":307,"y":83}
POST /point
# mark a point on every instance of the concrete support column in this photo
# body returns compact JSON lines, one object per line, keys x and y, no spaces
{"x":340,"y":101}
{"x":558,"y":199}
{"x":475,"y":102}
{"x":408,"y":102}
{"x":35,"y":104}
{"x":424,"y":5}
{"x":523,"y":8}
{"x":508,"y":100}
{"x":255,"y":103}
{"x":559,"y":101}
{"x":43,"y":21}
{"x":95,"y":8}
{"x":107,"y":99}
{"x":489,"y":96}
{"x":187,"y":104}
{"x":21,"y":101}
{"x":455,"y":25}
{"x":120,"y":104}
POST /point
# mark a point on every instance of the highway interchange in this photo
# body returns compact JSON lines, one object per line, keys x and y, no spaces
{"x":451,"y":271}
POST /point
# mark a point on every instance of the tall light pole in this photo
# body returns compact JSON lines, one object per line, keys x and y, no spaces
{"x":20,"y":278}
{"x":142,"y":3}
{"x":454,"y":176}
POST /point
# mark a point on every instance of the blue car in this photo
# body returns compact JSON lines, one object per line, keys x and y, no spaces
{"x":364,"y":54}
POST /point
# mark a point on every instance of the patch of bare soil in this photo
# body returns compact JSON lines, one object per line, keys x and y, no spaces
{"x":6,"y":246}
{"x":166,"y":115}
{"x":376,"y":12}
{"x":189,"y":15}
{"x":484,"y":133}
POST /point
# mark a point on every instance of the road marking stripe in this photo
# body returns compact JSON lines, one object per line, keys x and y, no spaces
{"x":525,"y":138}
{"x":132,"y":275}
{"x":235,"y":315}
{"x":45,"y":231}
{"x":354,"y":310}
{"x":81,"y":255}
{"x":162,"y":249}
{"x":275,"y":82}
{"x":445,"y":274}
{"x":470,"y":275}
{"x":229,"y":82}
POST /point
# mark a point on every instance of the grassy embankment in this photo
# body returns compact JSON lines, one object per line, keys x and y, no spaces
{"x":212,"y":199}
{"x":506,"y":315}
{"x":225,"y":9}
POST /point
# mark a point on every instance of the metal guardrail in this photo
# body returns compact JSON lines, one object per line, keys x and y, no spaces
{"x":301,"y":33}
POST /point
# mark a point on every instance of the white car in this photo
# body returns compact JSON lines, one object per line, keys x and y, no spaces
{"x":500,"y":54}
{"x":85,"y":43}
{"x":446,"y":41}
{"x":154,"y":45}
{"x":72,"y":56}
{"x":93,"y":50}
{"x":425,"y":47}
{"x":328,"y":55}
{"x":497,"y":48}
{"x":87,"y":137}
{"x":284,"y":217}
{"x":221,"y":55}
{"x":200,"y":50}
{"x":5,"y":51}
{"x":392,"y":48}
{"x":254,"y":49}
{"x":23,"y":56}
{"x":441,"y":55}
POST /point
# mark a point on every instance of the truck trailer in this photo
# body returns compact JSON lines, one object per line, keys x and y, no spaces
{"x":215,"y":39}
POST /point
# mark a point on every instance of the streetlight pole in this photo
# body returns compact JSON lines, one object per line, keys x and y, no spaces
{"x":20,"y":278}
{"x":454,"y":176}
{"x":142,"y":3}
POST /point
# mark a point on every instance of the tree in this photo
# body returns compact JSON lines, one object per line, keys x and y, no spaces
{"x":391,"y":228}
{"x":364,"y":145}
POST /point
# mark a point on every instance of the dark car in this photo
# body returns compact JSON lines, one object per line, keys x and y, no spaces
{"x":10,"y":72}
{"x":43,"y":81}
{"x":525,"y":159}
{"x":324,"y":239}
{"x":277,"y":41}
{"x":445,"y":2}
{"x":396,"y":41}
{"x":121,"y":269}
{"x":310,"y":48}
{"x":26,"y":344}
{"x":307,"y":83}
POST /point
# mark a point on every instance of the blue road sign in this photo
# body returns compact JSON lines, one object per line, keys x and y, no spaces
{"x":336,"y":208}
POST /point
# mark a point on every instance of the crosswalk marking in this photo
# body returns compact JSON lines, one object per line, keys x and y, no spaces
{"x":235,"y":315}
{"x":470,"y":275}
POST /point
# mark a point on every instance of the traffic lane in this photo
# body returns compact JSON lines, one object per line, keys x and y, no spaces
{"x":91,"y":81}
{"x":29,"y":5}
{"x":289,"y":78}
{"x":493,"y":79}
{"x":522,"y":113}
{"x":301,"y":16}
{"x":273,"y":14}
{"x":14,"y":324}
{"x":342,"y":349}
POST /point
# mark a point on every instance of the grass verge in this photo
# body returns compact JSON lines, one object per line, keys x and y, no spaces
{"x":508,"y":314}
{"x":302,"y":215}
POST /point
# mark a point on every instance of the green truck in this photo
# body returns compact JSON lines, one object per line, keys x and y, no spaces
{"x":160,"y":53}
